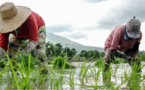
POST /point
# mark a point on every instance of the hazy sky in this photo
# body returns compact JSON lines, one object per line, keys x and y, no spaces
{"x":88,"y":22}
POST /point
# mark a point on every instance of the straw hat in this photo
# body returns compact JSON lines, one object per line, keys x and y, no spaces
{"x":11,"y":16}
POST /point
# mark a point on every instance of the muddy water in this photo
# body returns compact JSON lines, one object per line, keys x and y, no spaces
{"x":90,"y":77}
{"x":89,"y":80}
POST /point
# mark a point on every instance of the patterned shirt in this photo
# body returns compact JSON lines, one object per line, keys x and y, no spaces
{"x":116,"y":40}
{"x":29,"y":29}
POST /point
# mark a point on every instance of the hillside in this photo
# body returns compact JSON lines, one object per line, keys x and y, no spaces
{"x":68,"y":43}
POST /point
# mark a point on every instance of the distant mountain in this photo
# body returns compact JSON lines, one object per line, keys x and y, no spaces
{"x":71,"y":44}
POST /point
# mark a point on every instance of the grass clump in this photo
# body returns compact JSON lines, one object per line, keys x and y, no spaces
{"x":116,"y":61}
{"x":24,"y":58}
{"x":2,"y":63}
{"x":59,"y":62}
{"x":124,"y":61}
{"x":49,"y":63}
{"x":98,"y":63}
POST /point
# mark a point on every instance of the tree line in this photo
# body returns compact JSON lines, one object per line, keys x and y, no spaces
{"x":54,"y":50}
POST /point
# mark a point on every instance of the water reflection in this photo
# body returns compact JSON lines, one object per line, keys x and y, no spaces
{"x":85,"y":77}
{"x":117,"y":76}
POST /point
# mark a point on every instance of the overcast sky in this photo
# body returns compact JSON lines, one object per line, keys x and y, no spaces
{"x":88,"y":22}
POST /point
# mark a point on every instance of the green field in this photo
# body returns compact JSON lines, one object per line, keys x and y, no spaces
{"x":68,"y":76}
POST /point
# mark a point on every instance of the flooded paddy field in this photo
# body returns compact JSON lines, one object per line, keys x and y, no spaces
{"x":85,"y":76}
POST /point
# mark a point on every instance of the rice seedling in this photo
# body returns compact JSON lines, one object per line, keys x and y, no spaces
{"x":98,"y":63}
{"x":59,"y":62}
{"x":89,"y":77}
{"x":71,"y":75}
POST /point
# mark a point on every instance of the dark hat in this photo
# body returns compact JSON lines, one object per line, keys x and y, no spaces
{"x":133,"y":28}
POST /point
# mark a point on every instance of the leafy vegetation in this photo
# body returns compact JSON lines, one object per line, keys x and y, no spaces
{"x":2,"y":63}
{"x":57,"y":50}
{"x":23,"y":58}
{"x":98,"y":63}
{"x":59,"y":62}
{"x":62,"y":75}
{"x":89,"y":78}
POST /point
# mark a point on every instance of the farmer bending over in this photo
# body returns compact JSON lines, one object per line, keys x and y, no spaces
{"x":123,"y":42}
{"x":24,"y":25}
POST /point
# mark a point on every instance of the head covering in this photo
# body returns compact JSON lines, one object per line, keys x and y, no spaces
{"x":126,"y":36}
{"x":133,"y":28}
{"x":12,"y":17}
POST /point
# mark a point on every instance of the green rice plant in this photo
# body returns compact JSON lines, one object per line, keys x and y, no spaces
{"x":134,"y":81}
{"x":5,"y":78}
{"x":135,"y":77}
{"x":24,"y":59}
{"x":115,"y":70}
{"x":24,"y":79}
{"x":124,"y":79}
{"x":99,"y":63}
{"x":2,"y":63}
{"x":15,"y":77}
{"x":123,"y":61}
{"x":27,"y":78}
{"x":116,"y":61}
{"x":83,"y":72}
{"x":141,"y":57}
{"x":97,"y":73}
{"x":9,"y":61}
{"x":49,"y":63}
{"x":42,"y":81}
{"x":59,"y":65}
{"x":56,"y":78}
{"x":59,"y":62}
{"x":52,"y":78}
{"x":106,"y":73}
{"x":30,"y":77}
{"x":25,"y":73}
{"x":71,"y":82}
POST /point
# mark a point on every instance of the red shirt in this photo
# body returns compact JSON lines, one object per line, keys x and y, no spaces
{"x":29,"y":29}
{"x":116,"y":40}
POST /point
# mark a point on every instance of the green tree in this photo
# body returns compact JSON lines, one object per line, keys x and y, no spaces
{"x":84,"y":53}
{"x":50,"y":49}
{"x":96,"y":54}
{"x":58,"y":49}
{"x":102,"y":54}
{"x":72,"y":53}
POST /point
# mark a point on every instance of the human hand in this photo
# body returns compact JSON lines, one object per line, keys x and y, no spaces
{"x":128,"y":58}
{"x":30,"y":47}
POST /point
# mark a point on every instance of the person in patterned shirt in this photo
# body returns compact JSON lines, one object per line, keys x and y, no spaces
{"x":24,"y":25}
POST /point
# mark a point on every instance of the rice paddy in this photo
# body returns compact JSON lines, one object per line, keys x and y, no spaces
{"x":83,"y":76}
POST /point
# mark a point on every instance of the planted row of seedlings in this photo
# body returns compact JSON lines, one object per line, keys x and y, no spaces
{"x":63,"y":75}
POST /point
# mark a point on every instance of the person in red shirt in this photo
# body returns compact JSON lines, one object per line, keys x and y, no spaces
{"x":24,"y":25}
{"x":123,"y":42}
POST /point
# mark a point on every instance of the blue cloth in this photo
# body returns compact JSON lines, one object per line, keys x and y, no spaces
{"x":126,"y":36}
